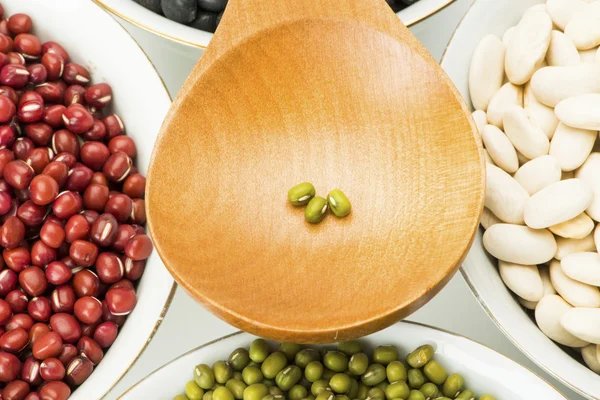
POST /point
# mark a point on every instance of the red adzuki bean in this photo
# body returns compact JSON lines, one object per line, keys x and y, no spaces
{"x":71,"y":209}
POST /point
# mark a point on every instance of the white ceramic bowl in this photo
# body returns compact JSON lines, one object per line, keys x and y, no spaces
{"x":134,"y":13}
{"x":94,"y":39}
{"x":485,"y":371}
{"x":479,"y":270}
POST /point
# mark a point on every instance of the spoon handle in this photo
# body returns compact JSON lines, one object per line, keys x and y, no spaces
{"x":244,"y":18}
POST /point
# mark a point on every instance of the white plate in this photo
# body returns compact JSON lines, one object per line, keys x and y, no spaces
{"x":484,"y":17}
{"x":94,"y":39}
{"x":134,"y":13}
{"x":485,"y":371}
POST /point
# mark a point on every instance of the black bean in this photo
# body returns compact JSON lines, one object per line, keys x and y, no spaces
{"x":395,"y":5}
{"x":206,"y":21}
{"x":182,"y":11}
{"x":219,"y":18}
{"x":152,"y":5}
{"x":212,"y":5}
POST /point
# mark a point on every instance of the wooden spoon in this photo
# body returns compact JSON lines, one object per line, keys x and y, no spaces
{"x":340,"y":94}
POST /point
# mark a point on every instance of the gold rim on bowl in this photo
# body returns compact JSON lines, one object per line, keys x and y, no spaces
{"x":456,"y":335}
{"x":185,"y":42}
{"x":174,"y":287}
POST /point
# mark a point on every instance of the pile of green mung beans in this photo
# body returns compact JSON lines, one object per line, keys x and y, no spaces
{"x":303,"y":194}
{"x":295,"y":372}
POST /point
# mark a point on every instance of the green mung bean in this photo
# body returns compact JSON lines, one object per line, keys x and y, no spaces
{"x":416,"y":379}
{"x":350,"y":348}
{"x":288,"y":377}
{"x":313,"y":371}
{"x":358,"y":363}
{"x":420,"y":356}
{"x":374,"y":375}
{"x":239,"y":359}
{"x":259,"y":350}
{"x":222,"y":393}
{"x":385,"y":354}
{"x":274,"y":363}
{"x":290,"y":350}
{"x":252,"y":375}
{"x":453,"y":385}
{"x":297,"y":392}
{"x":466,"y":395}
{"x":396,"y":371}
{"x":301,"y":194}
{"x":435,"y":372}
{"x":204,"y":376}
{"x":305,"y":356}
{"x":316,"y":210}
{"x":255,"y":392}
{"x":338,"y":203}
{"x":223,"y":371}
{"x":340,"y":383}
{"x":236,"y":387}
{"x":193,"y":391}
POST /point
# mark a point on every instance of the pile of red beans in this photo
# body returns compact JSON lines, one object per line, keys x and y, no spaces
{"x":71,"y":214}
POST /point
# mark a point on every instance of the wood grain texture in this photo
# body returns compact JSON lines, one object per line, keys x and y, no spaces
{"x":339,"y":94}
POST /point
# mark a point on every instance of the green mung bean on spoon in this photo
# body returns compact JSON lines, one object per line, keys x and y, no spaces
{"x":349,"y":373}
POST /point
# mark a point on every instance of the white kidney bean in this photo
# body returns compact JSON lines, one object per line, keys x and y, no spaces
{"x":583,"y":28}
{"x":551,"y":85}
{"x":538,"y":173}
{"x":523,"y":280}
{"x":580,"y":111}
{"x":559,"y":202}
{"x":561,"y":11}
{"x":598,"y":55}
{"x":528,"y":138}
{"x":488,"y":158}
{"x":548,"y":314}
{"x":519,"y":244}
{"x":588,"y":56}
{"x":528,"y":46}
{"x":583,"y":267}
{"x":597,"y":236}
{"x":488,"y":218}
{"x":576,"y":293}
{"x":500,"y":148}
{"x":487,"y":71}
{"x":508,"y":95}
{"x":588,"y":172}
{"x":539,"y":114}
{"x":562,"y":51}
{"x":583,"y":323}
{"x":548,"y":288}
{"x":504,"y":196}
{"x":480,"y":119}
{"x":576,"y":228}
{"x":567,"y":246}
{"x":572,"y":146}
{"x":508,"y":35}
{"x":591,"y":357}
{"x":530,"y":305}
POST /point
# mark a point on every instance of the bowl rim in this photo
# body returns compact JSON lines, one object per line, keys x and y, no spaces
{"x":171,"y":296}
{"x":185,"y":42}
{"x":467,"y":278}
{"x":407,"y":322}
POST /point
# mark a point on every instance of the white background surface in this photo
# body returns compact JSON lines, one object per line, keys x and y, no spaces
{"x":188,"y":325}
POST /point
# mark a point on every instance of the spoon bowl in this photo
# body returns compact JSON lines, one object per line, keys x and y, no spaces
{"x":343,"y":98}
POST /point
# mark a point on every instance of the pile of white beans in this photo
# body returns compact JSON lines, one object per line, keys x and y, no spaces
{"x":536,"y":92}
